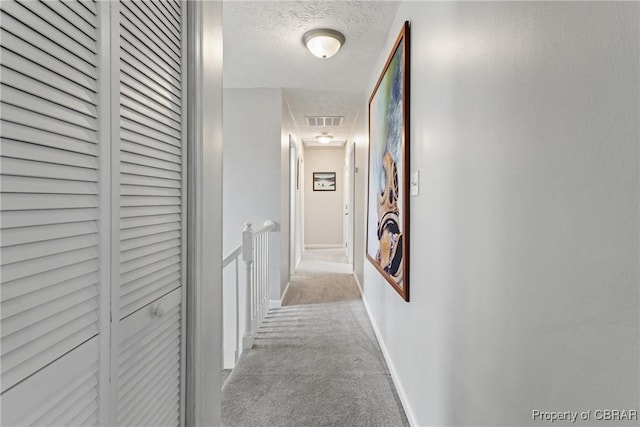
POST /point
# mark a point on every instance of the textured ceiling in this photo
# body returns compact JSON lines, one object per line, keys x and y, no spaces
{"x":263,"y":48}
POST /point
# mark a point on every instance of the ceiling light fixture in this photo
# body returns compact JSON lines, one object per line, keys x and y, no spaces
{"x":323,"y":42}
{"x":324,"y":138}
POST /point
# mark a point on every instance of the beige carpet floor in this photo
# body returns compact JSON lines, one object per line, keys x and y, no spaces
{"x":315,"y":362}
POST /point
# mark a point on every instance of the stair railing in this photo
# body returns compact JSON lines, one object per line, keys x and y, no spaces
{"x":255,"y":254}
{"x":254,"y":251}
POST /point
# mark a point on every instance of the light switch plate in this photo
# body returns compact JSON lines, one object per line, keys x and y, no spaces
{"x":415,"y":183}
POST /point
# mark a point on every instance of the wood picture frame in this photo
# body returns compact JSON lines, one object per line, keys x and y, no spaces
{"x":387,"y":246}
{"x":324,"y":181}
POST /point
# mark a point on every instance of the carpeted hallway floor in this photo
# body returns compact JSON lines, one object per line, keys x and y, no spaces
{"x":316,"y":361}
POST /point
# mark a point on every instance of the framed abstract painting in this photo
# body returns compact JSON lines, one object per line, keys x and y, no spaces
{"x":388,"y":194}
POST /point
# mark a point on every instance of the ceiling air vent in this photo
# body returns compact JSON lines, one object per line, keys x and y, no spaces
{"x":324,"y":121}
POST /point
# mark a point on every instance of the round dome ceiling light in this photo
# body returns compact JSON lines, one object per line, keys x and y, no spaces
{"x":324,"y":138}
{"x":323,"y":42}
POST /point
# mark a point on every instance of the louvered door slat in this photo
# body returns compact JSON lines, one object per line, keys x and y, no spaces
{"x":149,"y":113}
{"x":151,"y":162}
{"x":25,"y":252}
{"x":149,"y":132}
{"x":169,"y":80}
{"x":168,"y":415}
{"x":43,"y":264}
{"x":27,"y":184}
{"x":132,"y":212}
{"x":13,"y":219}
{"x":131,"y":244}
{"x":147,"y":230}
{"x":146,"y":44}
{"x":135,"y":222}
{"x":158,"y":105}
{"x":43,"y":27}
{"x":47,"y":107}
{"x":151,"y":222}
{"x":149,"y":181}
{"x":35,"y":169}
{"x":149,"y":364}
{"x":160,"y":21}
{"x":58,"y":148}
{"x":86,"y":13}
{"x":158,"y":38}
{"x":132,"y":254}
{"x":19,"y":202}
{"x":138,"y":190}
{"x":71,"y":336}
{"x":39,"y":282}
{"x":47,"y":123}
{"x":39,"y":66}
{"x":57,"y":95}
{"x":64,"y":11}
{"x":162,"y":401}
{"x":17,"y":149}
{"x":86,"y":417}
{"x":38,"y":337}
{"x":20,"y":236}
{"x":148,"y":152}
{"x":43,"y":50}
{"x":133,"y":41}
{"x":140,"y":293}
{"x":128,"y":138}
{"x":136,"y":167}
{"x":84,"y":405}
{"x":173,"y":16}
{"x":11,"y":307}
{"x":81,"y":43}
{"x":50,"y":213}
{"x":37,"y":399}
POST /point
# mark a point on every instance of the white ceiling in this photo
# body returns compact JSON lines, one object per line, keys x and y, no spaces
{"x":263,"y":49}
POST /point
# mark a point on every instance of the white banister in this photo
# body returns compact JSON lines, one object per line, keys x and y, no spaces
{"x":255,"y":254}
{"x":252,"y":291}
{"x":234,"y":256}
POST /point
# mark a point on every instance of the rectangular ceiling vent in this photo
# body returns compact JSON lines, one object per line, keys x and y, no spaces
{"x":324,"y":121}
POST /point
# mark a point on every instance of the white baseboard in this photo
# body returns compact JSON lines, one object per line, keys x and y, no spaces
{"x":284,"y":294}
{"x":274,"y":303}
{"x":355,"y":276}
{"x":392,"y":369}
{"x":334,"y":246}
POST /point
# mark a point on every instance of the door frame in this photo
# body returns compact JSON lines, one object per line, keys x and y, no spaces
{"x":204,"y":214}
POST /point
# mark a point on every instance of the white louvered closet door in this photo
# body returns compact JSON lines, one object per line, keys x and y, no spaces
{"x":151,"y":271}
{"x":52,"y":223}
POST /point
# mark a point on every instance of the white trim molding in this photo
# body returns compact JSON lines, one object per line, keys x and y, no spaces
{"x":204,"y":263}
{"x":332,"y":246}
{"x":274,"y":303}
{"x":392,"y":369}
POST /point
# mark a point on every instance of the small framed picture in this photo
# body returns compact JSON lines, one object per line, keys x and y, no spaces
{"x":324,"y":181}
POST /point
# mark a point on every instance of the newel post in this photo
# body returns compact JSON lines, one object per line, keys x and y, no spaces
{"x":247,"y":257}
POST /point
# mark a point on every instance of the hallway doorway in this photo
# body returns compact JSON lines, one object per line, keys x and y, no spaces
{"x":328,"y":232}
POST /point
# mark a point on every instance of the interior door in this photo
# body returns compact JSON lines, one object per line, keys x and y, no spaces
{"x":92,"y":229}
{"x":54,"y":243}
{"x":150,"y":250}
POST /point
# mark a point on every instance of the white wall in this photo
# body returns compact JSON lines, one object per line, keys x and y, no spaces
{"x":361,"y":139}
{"x":252,"y":168}
{"x":323,"y":210}
{"x":524,"y":238}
